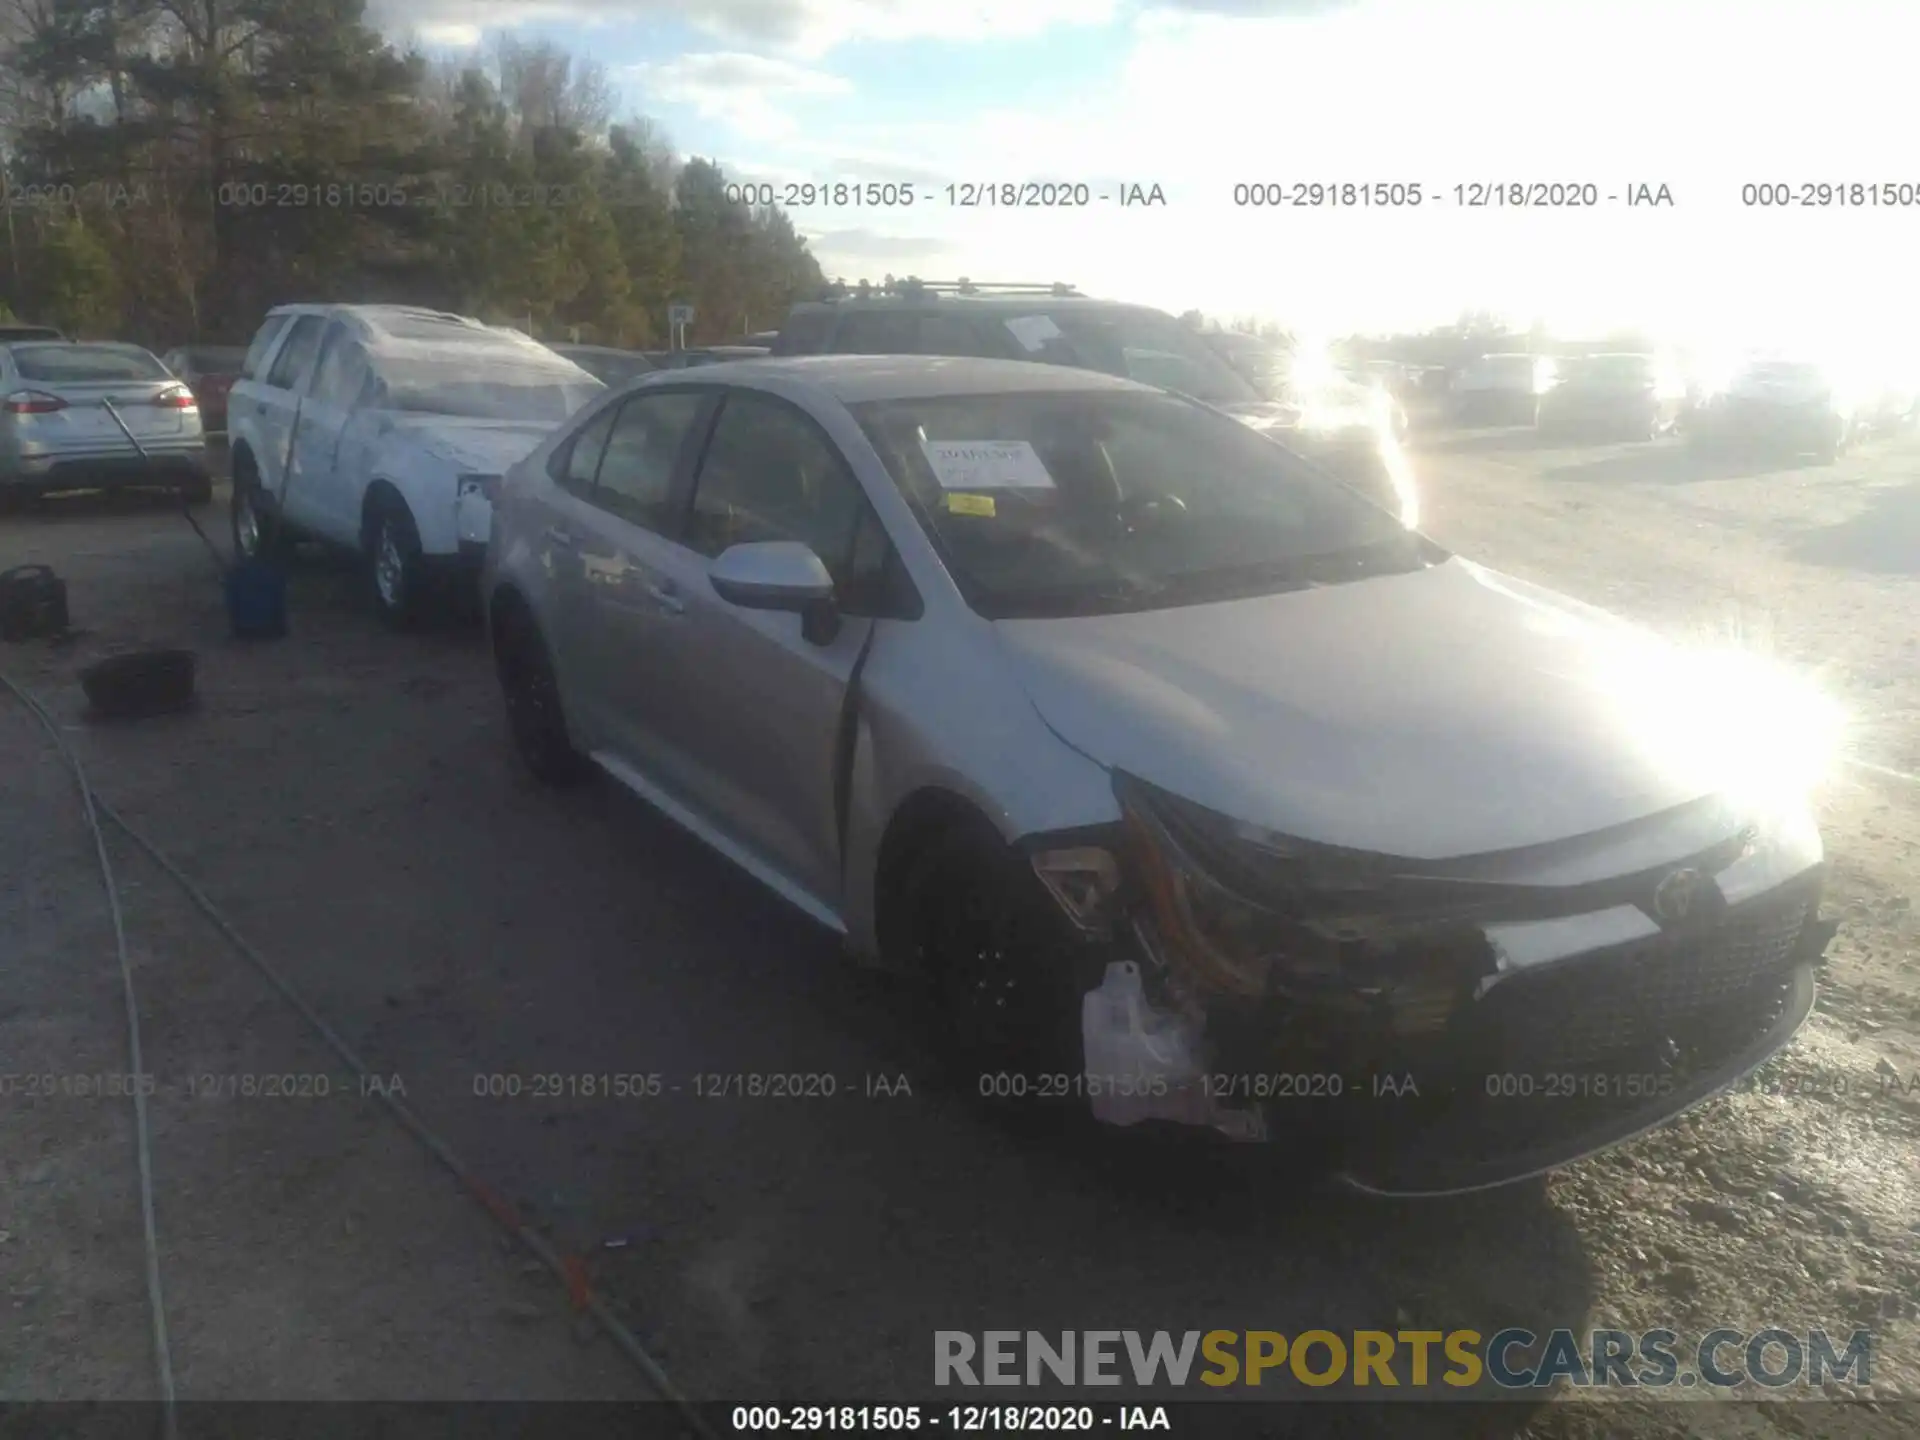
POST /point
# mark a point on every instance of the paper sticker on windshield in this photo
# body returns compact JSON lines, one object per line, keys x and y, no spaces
{"x":986,"y":465}
{"x":1033,"y":331}
{"x":980,"y":505}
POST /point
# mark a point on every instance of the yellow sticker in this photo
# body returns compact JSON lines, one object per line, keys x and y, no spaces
{"x":981,"y":505}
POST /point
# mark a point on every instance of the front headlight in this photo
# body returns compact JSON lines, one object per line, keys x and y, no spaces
{"x":1210,"y":934}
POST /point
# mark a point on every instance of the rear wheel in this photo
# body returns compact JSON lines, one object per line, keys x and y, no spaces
{"x":535,"y":717}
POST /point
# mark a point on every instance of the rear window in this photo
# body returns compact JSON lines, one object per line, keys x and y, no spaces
{"x":83,"y":364}
{"x":419,"y":328}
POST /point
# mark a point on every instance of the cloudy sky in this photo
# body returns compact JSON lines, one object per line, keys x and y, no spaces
{"x":1196,"y":96}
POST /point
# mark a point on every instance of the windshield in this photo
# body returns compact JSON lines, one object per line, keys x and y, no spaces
{"x":1504,"y":367}
{"x":480,"y":385}
{"x":1784,"y":373}
{"x":1072,"y":503}
{"x":1608,"y":369}
{"x":216,"y":361}
{"x":84,"y":364}
{"x":1138,"y":345}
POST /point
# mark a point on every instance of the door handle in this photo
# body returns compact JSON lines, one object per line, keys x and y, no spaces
{"x":559,"y":537}
{"x":665,"y":597}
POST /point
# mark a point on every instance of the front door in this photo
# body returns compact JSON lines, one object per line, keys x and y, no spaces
{"x":280,"y":400}
{"x":754,"y":709}
{"x":319,"y":497}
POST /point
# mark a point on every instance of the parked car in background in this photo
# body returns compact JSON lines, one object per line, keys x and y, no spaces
{"x":607,"y":364}
{"x":11,"y":333}
{"x":209,"y":371}
{"x":1057,"y":325}
{"x":56,"y":432}
{"x":1779,"y":407}
{"x":1620,"y":396}
{"x":1501,"y":389}
{"x":384,"y":429}
{"x":1157,"y":755}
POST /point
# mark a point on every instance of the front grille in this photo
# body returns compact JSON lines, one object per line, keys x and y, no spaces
{"x":1636,"y":997}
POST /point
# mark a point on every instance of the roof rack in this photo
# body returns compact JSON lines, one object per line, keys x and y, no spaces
{"x":912,"y":285}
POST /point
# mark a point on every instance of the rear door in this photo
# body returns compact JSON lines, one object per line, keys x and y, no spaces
{"x":620,"y":547}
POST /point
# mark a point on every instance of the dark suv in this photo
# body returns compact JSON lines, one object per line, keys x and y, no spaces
{"x":1057,"y":325}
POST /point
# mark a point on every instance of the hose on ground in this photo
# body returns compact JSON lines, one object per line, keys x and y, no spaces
{"x":568,"y":1269}
{"x":143,"y":1143}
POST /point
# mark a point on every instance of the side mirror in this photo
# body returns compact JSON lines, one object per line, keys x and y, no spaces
{"x":779,"y":575}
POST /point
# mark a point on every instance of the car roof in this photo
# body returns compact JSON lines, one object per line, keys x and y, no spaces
{"x":568,"y":347}
{"x":852,"y":379}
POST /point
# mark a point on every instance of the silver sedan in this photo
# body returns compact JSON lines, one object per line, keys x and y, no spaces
{"x":56,"y":432}
{"x":1200,"y":790}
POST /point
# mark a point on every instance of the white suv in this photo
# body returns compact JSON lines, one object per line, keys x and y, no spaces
{"x":384,"y":429}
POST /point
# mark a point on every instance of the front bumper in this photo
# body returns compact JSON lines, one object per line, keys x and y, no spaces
{"x":1589,"y":1031}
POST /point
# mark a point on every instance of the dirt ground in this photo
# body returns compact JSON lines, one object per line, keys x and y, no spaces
{"x":348,"y":798}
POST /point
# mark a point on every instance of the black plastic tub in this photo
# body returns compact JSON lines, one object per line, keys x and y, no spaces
{"x":143,"y":683}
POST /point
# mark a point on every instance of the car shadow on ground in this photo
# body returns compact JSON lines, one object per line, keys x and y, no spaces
{"x":77,"y":506}
{"x":1882,"y":539}
{"x":1661,"y":463}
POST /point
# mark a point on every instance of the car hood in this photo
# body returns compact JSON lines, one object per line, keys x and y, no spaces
{"x":1445,"y":712}
{"x":485,"y":447}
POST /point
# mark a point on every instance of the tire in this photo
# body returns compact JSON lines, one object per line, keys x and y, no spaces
{"x":1000,"y":967}
{"x":536,"y":718}
{"x":257,"y":534}
{"x":395,"y":568}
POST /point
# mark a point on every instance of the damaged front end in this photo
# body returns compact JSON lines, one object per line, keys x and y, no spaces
{"x":1430,"y":1027}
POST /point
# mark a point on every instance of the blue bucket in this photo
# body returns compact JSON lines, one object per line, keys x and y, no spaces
{"x":257,"y":600}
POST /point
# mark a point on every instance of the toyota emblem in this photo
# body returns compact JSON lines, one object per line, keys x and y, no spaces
{"x":1673,"y":897}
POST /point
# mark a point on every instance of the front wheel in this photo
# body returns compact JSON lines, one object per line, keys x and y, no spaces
{"x":397,"y":569}
{"x":257,"y":532}
{"x":1002,"y":976}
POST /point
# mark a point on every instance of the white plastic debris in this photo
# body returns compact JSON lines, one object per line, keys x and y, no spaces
{"x":1142,"y":1063}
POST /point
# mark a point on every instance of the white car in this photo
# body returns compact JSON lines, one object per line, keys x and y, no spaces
{"x":384,"y":429}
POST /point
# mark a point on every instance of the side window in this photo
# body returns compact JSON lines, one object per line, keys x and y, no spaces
{"x":343,"y":370}
{"x":805,"y":333}
{"x":770,"y":474}
{"x":959,"y":335}
{"x":262,"y":343}
{"x":296,"y":354}
{"x":878,"y":332}
{"x":636,"y":473}
{"x":578,"y":461}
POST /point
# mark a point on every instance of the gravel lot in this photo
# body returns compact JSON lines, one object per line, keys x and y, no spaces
{"x":348,"y":798}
